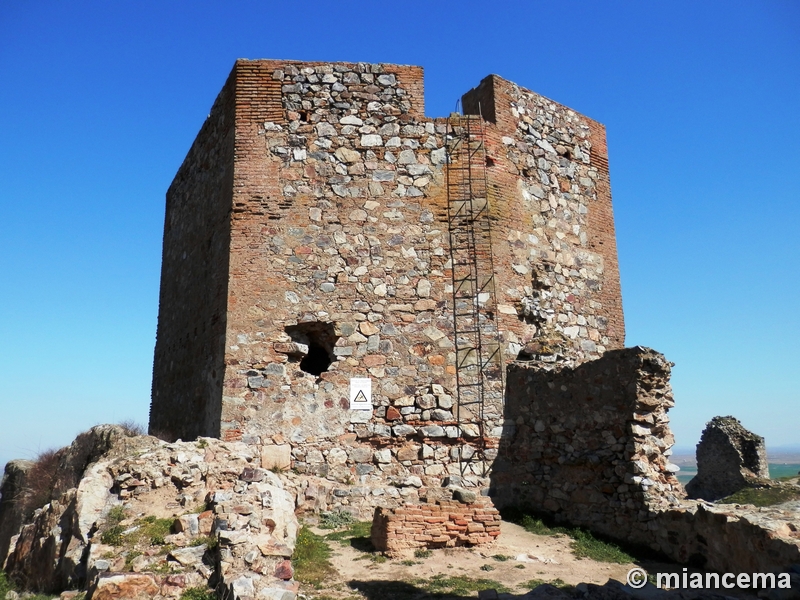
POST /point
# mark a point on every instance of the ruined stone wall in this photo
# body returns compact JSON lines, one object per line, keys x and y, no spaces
{"x":590,"y":444}
{"x":188,"y":367}
{"x":339,"y":251}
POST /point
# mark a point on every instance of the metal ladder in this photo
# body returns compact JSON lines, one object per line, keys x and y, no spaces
{"x":479,"y":372}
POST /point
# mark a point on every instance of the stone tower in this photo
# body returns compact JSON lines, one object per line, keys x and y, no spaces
{"x":312,"y":251}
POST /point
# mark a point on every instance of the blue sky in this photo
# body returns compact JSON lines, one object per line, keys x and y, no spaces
{"x":100,"y":101}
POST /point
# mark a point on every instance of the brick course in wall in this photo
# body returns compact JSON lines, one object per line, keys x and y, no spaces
{"x":314,"y":212}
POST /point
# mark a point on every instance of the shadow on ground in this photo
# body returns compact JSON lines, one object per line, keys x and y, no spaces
{"x":400,"y":590}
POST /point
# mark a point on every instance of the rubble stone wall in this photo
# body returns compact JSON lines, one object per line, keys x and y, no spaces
{"x":339,"y":248}
{"x":549,"y":186}
{"x":590,"y":444}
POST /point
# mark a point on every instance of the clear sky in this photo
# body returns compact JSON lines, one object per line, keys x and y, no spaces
{"x":100,"y":101}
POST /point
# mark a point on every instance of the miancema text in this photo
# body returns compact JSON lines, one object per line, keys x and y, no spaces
{"x":638,"y":578}
{"x":725,"y":580}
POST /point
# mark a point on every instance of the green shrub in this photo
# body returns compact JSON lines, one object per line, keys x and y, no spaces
{"x":116,"y":515}
{"x":5,"y":585}
{"x":113,"y":536}
{"x":336,"y":520}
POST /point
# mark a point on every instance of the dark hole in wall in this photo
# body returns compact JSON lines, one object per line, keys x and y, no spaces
{"x":320,"y":338}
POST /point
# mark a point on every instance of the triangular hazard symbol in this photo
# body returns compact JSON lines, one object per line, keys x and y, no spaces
{"x":360,"y":397}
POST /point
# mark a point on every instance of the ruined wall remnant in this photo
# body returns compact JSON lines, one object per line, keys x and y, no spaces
{"x":65,"y":544}
{"x":729,"y":458}
{"x":445,"y":523}
{"x":307,"y":243}
{"x":590,"y":444}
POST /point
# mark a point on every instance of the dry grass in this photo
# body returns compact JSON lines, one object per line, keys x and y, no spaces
{"x":132,"y":428}
{"x":40,"y":482}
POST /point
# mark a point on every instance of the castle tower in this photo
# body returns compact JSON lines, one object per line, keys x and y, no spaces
{"x":313,"y":249}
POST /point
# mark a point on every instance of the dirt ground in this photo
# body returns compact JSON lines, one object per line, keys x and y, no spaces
{"x":526,"y":560}
{"x":523,"y":557}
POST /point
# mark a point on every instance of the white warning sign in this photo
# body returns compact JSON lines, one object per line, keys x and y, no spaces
{"x":360,"y":393}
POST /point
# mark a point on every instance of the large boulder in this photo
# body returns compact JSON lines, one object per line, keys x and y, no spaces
{"x":729,"y":458}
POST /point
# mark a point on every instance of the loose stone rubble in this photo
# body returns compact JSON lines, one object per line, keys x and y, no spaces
{"x":233,"y":524}
{"x":729,"y":458}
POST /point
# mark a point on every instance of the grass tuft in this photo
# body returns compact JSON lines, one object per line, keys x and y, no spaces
{"x":459,"y":585}
{"x":775,"y":494}
{"x":210,"y":541}
{"x":150,"y":530}
{"x":40,"y":482}
{"x":198,"y":593}
{"x":501,"y":557}
{"x":311,"y":559}
{"x":584,"y":543}
{"x":559,"y":583}
{"x":360,"y":530}
{"x":132,"y":428}
{"x":6,"y":586}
